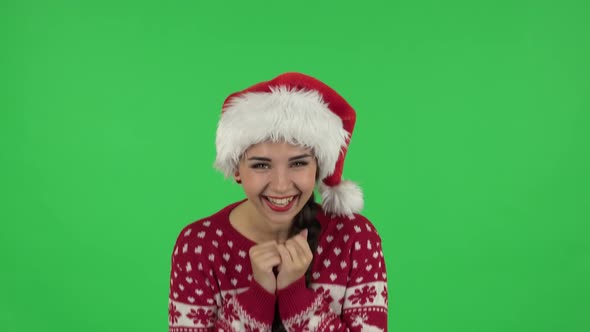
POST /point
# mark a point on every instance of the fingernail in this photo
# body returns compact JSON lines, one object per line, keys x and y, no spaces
{"x":304,"y":233}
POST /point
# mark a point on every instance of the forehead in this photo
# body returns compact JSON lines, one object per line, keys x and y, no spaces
{"x":277,"y":150}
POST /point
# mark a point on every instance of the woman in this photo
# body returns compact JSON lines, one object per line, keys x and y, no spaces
{"x":278,"y":261}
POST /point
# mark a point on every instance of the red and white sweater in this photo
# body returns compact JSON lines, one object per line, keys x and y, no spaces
{"x":212,"y":289}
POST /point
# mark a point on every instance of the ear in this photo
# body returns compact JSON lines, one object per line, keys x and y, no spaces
{"x":237,"y":177}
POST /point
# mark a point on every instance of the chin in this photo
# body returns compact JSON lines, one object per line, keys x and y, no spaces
{"x":281,"y":215}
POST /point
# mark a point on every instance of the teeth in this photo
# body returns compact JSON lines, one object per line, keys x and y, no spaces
{"x":282,"y":201}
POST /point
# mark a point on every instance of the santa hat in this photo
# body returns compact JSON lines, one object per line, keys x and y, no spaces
{"x":297,"y":109}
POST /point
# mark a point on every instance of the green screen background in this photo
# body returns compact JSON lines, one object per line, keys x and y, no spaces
{"x":471,"y":147}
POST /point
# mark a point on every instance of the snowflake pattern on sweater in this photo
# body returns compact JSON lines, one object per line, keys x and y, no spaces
{"x":212,"y":289}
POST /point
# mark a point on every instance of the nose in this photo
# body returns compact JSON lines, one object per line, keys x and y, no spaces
{"x":281,"y":181}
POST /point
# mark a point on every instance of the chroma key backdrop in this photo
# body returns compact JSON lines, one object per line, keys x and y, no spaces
{"x":471,"y":146}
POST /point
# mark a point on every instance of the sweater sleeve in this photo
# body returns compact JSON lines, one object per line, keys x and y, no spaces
{"x":364,"y":306}
{"x":197,"y":304}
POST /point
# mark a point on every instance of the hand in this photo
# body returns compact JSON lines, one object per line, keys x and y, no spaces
{"x":295,"y":257}
{"x":264,"y":257}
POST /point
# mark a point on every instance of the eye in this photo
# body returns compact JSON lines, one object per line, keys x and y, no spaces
{"x":299,"y":163}
{"x":260,"y":166}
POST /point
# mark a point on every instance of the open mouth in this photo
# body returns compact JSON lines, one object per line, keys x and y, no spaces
{"x":280,"y":204}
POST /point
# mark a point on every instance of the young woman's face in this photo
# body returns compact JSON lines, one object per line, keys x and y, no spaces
{"x":278,"y":179}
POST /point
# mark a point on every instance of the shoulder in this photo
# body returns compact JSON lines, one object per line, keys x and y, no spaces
{"x":358,"y":224}
{"x":355,"y":228}
{"x":203,"y":228}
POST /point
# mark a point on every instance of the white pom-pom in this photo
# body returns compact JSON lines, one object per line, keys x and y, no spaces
{"x":344,"y":199}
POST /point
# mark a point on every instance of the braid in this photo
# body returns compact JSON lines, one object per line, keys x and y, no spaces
{"x":306,"y":218}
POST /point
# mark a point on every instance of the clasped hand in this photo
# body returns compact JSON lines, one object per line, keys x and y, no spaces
{"x":291,"y":259}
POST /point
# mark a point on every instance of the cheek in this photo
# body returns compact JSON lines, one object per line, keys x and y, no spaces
{"x":307,"y":180}
{"x":252,"y":191}
{"x":252,"y":182}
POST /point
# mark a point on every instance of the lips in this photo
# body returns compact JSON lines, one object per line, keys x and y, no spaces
{"x":280,"y":204}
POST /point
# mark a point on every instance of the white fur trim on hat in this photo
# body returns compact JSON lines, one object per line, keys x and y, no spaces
{"x":343,"y":199}
{"x":295,"y":116}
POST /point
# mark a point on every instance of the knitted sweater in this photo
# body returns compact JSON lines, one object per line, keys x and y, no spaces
{"x":212,"y":289}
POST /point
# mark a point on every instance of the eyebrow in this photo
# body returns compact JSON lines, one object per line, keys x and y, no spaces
{"x":290,"y":159}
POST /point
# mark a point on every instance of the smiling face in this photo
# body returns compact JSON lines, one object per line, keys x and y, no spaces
{"x":278,"y":179}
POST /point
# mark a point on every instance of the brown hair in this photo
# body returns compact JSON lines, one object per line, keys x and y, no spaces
{"x":305,"y":219}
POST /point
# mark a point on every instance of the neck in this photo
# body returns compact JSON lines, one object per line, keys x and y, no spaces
{"x":247,"y":221}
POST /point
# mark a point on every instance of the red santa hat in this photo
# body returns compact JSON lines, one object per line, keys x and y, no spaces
{"x":300,"y":110}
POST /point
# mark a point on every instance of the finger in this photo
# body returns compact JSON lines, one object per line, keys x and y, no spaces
{"x":304,"y":246}
{"x":273,"y":253}
{"x":268,"y":266}
{"x":286,"y":257}
{"x":266,"y":259}
{"x":263,"y":246}
{"x":270,"y":263}
{"x":304,"y":233}
{"x":296,"y":253}
{"x":261,"y":250}
{"x":268,"y":244}
{"x":261,"y":258}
